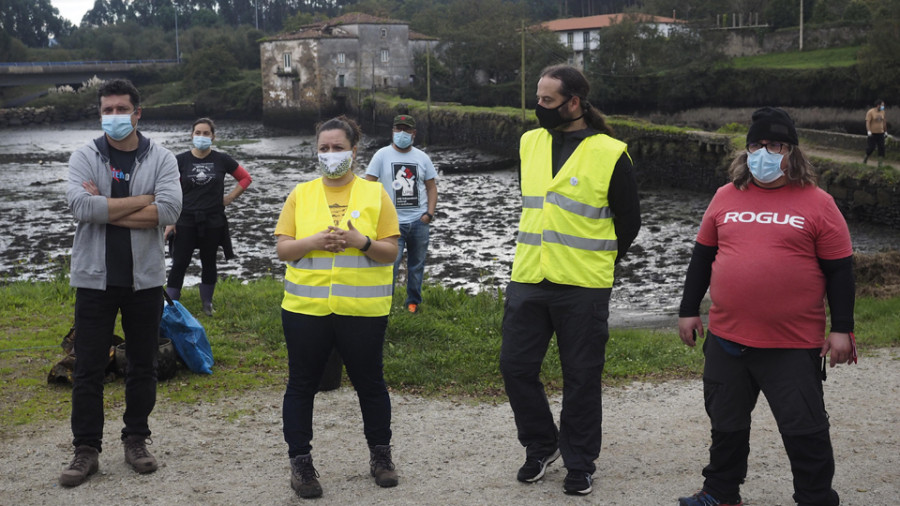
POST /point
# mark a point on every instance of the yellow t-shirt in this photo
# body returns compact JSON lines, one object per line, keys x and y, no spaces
{"x":338,"y":198}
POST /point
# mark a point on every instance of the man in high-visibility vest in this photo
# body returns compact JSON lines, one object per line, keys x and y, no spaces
{"x":580,"y":213}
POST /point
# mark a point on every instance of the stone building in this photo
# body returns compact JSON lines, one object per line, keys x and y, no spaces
{"x":308,"y":74}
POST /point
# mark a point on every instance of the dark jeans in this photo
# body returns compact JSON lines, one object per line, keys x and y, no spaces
{"x":95,"y":318}
{"x":360,"y":341}
{"x":578,"y":316}
{"x":188,"y":239}
{"x":792,"y":383}
{"x":875,"y":141}
{"x":414,"y":237}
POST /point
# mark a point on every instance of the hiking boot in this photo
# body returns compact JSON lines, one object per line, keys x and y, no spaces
{"x":382,"y":468}
{"x":412,"y":308}
{"x":578,"y":483}
{"x":702,"y":498}
{"x":304,"y":477}
{"x":137,"y":456}
{"x":866,"y":159}
{"x":207,"y":308}
{"x":85,"y":463}
{"x":533,"y":469}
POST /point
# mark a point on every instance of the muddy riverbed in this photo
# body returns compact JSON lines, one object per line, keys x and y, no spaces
{"x":473,"y":236}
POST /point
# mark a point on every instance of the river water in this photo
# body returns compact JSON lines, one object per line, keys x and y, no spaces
{"x":473,"y":236}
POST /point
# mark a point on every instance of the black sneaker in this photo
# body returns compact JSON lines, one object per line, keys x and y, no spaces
{"x":533,"y":469}
{"x":304,"y":477}
{"x":702,"y":498}
{"x":381,"y":466}
{"x":578,"y":483}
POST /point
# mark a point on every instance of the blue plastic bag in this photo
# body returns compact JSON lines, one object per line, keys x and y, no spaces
{"x":188,"y":336}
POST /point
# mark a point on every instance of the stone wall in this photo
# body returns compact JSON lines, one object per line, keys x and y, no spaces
{"x":750,"y":41}
{"x":22,"y":116}
{"x":663,"y":157}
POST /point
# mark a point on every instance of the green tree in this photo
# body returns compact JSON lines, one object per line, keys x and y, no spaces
{"x":11,"y":48}
{"x":209,"y":67}
{"x":33,"y":22}
{"x":879,"y":60}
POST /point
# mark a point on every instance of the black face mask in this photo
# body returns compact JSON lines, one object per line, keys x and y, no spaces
{"x":551,"y":118}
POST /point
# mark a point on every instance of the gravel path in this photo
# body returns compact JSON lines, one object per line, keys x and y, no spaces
{"x":453,"y":452}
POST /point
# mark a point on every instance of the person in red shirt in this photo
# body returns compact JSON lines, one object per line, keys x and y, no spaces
{"x":772,"y":247}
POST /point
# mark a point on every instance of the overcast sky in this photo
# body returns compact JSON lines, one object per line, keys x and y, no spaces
{"x":73,"y":10}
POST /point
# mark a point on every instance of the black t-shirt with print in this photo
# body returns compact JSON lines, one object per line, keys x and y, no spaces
{"x":119,"y":261}
{"x":203,"y":187}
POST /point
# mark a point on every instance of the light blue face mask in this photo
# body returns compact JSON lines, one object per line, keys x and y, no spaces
{"x":117,"y":126}
{"x":764,"y":166}
{"x":402,"y":139}
{"x":202,"y":143}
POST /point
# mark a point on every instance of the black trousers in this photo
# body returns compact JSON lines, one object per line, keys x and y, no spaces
{"x":875,"y":141}
{"x":360,"y":342}
{"x":95,"y":318}
{"x":792,"y":383}
{"x":188,"y":239}
{"x":578,"y":316}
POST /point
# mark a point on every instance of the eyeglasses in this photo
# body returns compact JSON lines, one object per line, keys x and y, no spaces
{"x":774,"y":148}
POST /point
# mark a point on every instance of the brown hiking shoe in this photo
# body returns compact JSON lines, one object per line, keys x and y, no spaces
{"x":304,"y":477}
{"x":382,"y":466}
{"x":137,"y":456}
{"x":85,"y":463}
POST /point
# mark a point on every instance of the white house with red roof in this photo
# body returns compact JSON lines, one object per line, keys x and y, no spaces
{"x":583,"y":34}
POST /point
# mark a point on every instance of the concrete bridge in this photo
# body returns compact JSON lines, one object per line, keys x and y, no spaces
{"x":71,"y":72}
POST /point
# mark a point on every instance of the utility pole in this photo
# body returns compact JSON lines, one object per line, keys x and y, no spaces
{"x":177,"y":49}
{"x":428,"y":90}
{"x":256,"y":8}
{"x":801,"y":25}
{"x":522,"y":73}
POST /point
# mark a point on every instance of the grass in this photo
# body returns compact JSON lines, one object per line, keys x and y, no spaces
{"x":450,"y":349}
{"x":816,"y":58}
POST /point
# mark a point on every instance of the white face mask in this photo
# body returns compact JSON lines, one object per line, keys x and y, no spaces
{"x":335,"y":165}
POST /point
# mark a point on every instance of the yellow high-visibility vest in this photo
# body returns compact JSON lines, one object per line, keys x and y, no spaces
{"x":347,"y":283}
{"x":566,"y":232}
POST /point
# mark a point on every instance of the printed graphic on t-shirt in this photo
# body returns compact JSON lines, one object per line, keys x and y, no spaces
{"x":119,"y":175}
{"x":337,"y":213}
{"x":406,"y":191}
{"x":202,"y":173}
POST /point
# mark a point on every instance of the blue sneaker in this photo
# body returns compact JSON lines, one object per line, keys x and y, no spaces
{"x":701,"y":498}
{"x":578,"y":483}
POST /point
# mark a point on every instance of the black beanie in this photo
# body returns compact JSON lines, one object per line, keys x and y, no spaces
{"x":772,"y":124}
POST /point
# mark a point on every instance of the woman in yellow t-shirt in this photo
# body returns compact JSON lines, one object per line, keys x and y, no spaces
{"x":337,"y":235}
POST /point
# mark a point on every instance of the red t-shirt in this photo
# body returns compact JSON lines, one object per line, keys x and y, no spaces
{"x":767,"y":288}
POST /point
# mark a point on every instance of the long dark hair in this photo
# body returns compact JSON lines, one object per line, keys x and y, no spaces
{"x":574,"y":84}
{"x":212,"y":126}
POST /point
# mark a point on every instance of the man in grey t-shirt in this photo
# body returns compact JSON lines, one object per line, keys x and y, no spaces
{"x":408,"y":177}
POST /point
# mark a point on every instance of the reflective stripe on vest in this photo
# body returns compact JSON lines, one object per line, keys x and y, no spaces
{"x":566,"y":233}
{"x":347,"y":283}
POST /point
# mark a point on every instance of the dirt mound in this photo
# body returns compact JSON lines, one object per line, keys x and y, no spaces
{"x":878,"y":274}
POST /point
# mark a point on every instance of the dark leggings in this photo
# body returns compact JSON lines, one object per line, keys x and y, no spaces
{"x":188,"y":239}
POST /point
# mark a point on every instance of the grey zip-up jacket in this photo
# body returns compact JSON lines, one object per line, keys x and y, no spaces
{"x":155,"y":172}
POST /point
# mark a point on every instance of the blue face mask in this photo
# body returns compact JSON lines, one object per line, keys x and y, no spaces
{"x":764,"y":166}
{"x":117,"y":126}
{"x":202,"y":143}
{"x":403,"y":140}
{"x":880,"y":107}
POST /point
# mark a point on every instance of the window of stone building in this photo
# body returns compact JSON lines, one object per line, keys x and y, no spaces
{"x":385,"y":55}
{"x":340,"y":80}
{"x":586,"y":39}
{"x":341,"y":57}
{"x":287,"y":62}
{"x":570,"y":39}
{"x":383,"y":33}
{"x":295,"y":90}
